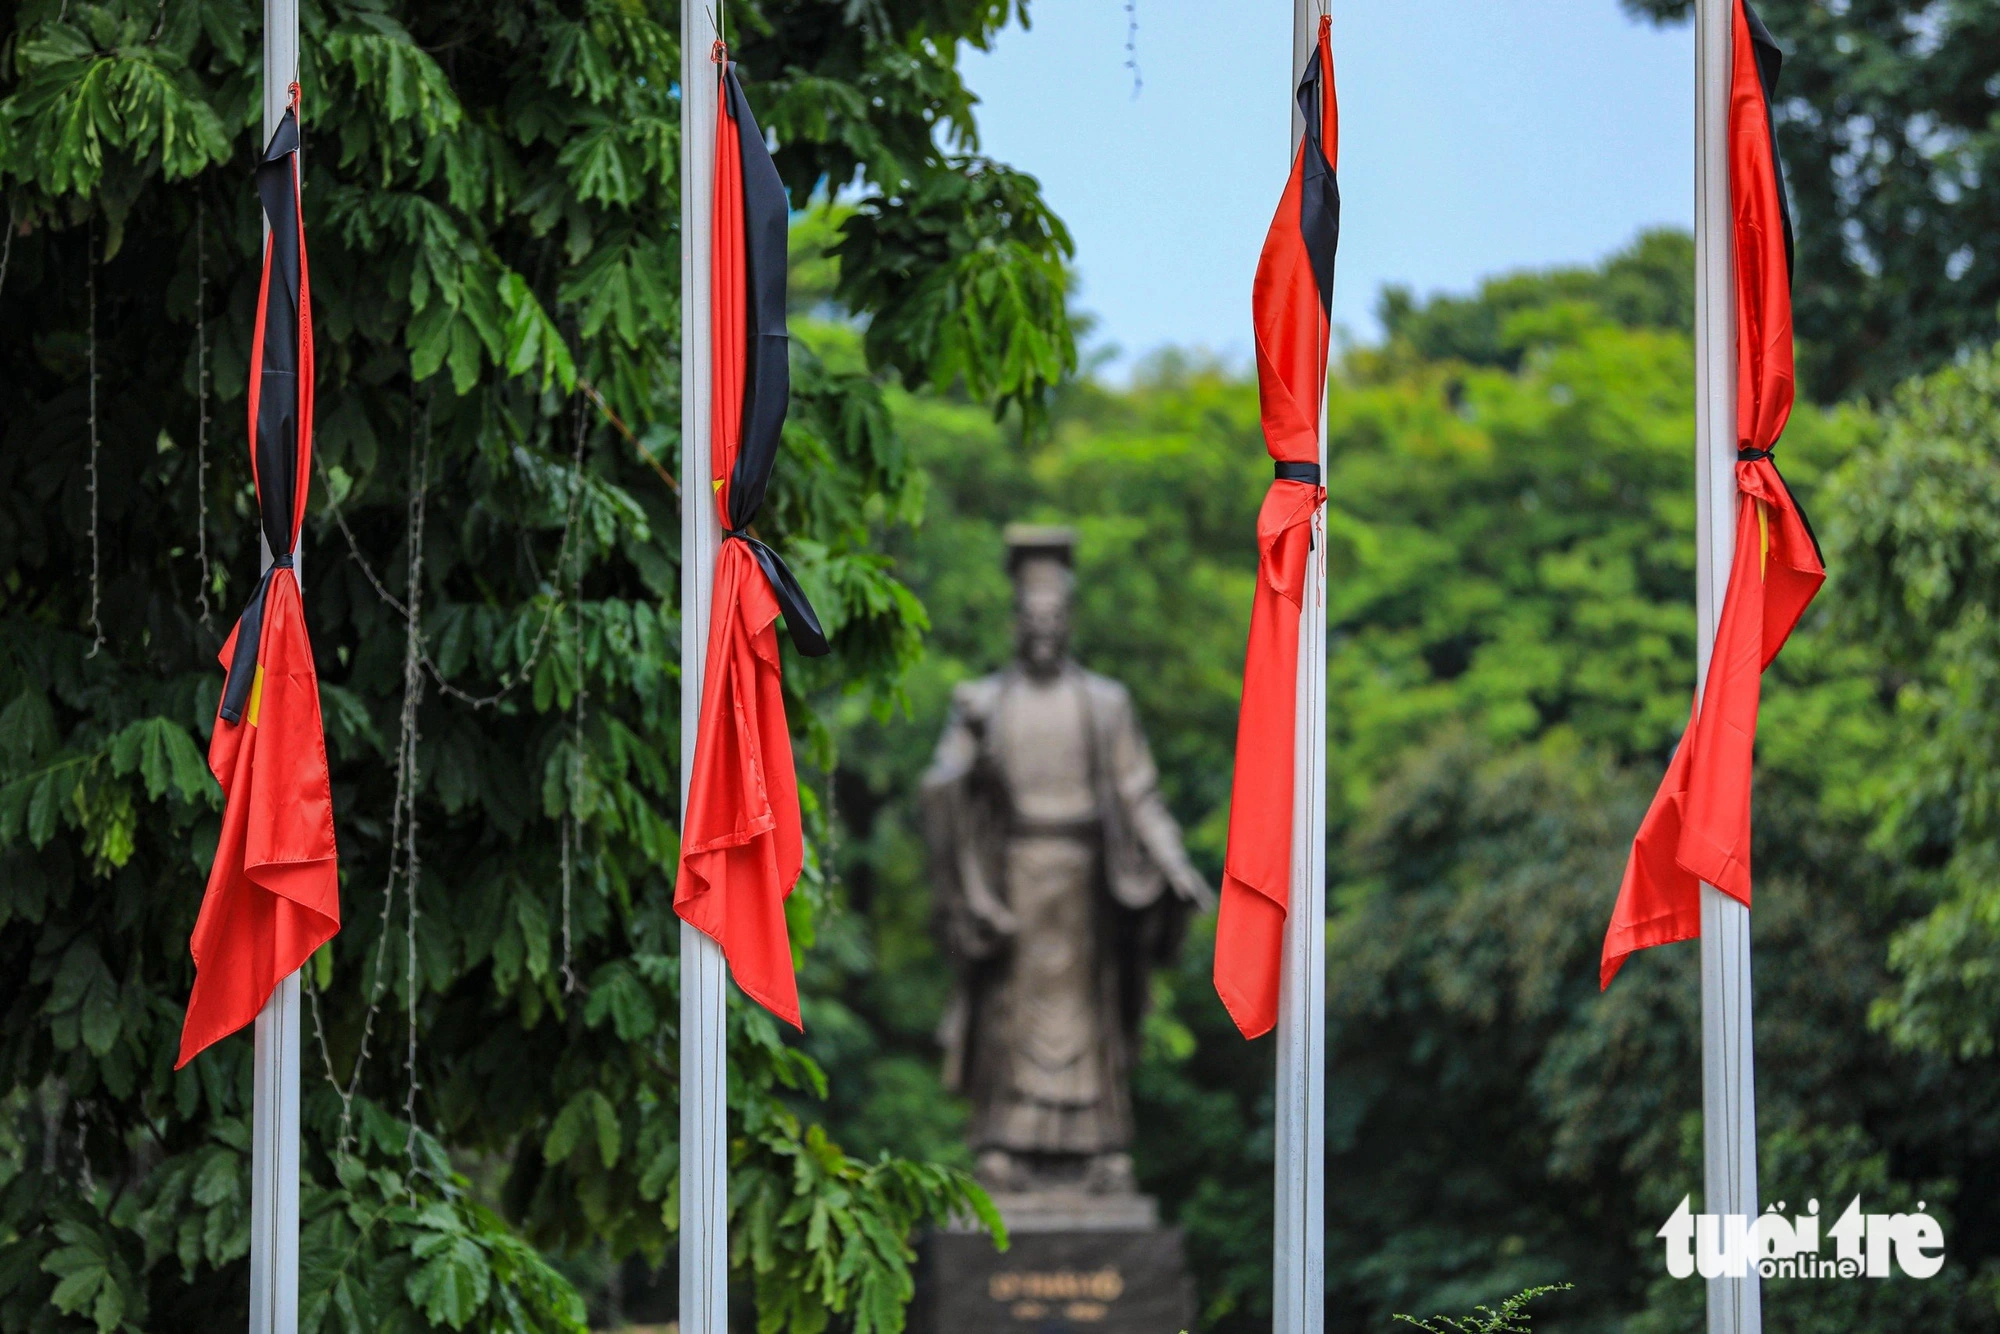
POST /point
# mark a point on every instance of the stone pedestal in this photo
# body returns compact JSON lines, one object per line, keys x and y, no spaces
{"x":1079,"y":1264}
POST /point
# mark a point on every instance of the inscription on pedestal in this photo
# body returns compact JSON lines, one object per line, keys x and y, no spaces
{"x":1096,"y":1282}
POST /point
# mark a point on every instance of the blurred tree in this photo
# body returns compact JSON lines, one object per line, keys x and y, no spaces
{"x":492,"y":572}
{"x":1513,"y":647}
{"x":1916,"y":521}
{"x":1889,"y":122}
{"x":1648,"y":286}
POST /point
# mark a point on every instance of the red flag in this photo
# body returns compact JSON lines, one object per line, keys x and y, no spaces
{"x":1698,"y":827}
{"x":273,"y":893}
{"x":741,"y":843}
{"x":1291,"y":307}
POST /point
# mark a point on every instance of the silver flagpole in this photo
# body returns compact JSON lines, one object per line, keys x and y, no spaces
{"x":1298,"y":1298}
{"x":274,"y":1135}
{"x":704,"y":1239}
{"x":1728,"y":1086}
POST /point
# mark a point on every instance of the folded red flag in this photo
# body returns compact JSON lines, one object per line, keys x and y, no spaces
{"x":1698,"y":827}
{"x":1291,"y":307}
{"x":741,"y":843}
{"x":274,"y":891}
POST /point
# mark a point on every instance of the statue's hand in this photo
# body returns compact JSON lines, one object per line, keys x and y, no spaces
{"x":1189,"y":885}
{"x":999,"y":920}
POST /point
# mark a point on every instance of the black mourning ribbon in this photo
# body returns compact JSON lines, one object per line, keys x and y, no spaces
{"x":1297,"y":472}
{"x":1744,"y":454}
{"x":1319,"y":188}
{"x":276,"y":440}
{"x":766,"y":364}
{"x":800,"y":618}
{"x":249,"y":634}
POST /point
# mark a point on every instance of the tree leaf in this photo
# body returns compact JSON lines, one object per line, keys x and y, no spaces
{"x":452,"y":1283}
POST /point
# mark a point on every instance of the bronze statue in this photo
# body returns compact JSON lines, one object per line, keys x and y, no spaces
{"x":1060,"y":880}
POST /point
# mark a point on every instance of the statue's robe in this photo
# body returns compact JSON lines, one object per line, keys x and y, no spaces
{"x":1059,"y":881}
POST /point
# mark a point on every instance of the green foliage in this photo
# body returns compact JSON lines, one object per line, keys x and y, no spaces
{"x":955,"y":258}
{"x":1649,"y":286}
{"x":962,"y":262}
{"x":1511,"y":1317}
{"x":1892,"y":154}
{"x":1917,"y":520}
{"x":492,"y":198}
{"x":374,"y":1252}
{"x":834,"y":1240}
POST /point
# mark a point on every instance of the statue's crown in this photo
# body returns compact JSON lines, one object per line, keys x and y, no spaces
{"x":1031,"y":541}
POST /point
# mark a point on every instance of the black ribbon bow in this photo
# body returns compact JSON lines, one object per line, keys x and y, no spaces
{"x":807,"y":636}
{"x":767,"y":373}
{"x":1745,"y":454}
{"x":249,"y":634}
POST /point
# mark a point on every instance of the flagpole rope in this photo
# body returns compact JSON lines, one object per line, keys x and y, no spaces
{"x":378,"y":974}
{"x":572,"y":817}
{"x":402,"y":822}
{"x":201,"y":401}
{"x":96,"y":626}
{"x":509,"y":681}
{"x":413,"y":689}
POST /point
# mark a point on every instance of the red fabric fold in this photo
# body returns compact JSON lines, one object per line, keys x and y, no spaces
{"x":1289,"y":302}
{"x":742,"y":845}
{"x":1698,"y":827}
{"x":273,"y":892}
{"x":1257,"y":874}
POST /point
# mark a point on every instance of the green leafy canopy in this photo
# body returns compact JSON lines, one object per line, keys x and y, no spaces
{"x":492,"y":200}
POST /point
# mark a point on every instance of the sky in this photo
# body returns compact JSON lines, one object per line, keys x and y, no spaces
{"x":1477,"y":137}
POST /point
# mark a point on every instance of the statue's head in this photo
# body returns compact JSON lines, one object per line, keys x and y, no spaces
{"x":1039,"y":559}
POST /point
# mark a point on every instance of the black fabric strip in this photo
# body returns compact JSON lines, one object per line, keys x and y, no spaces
{"x":1296,"y":472}
{"x":1319,"y":195}
{"x":1770,"y":62}
{"x":249,"y":634}
{"x":1755,"y":455}
{"x":277,"y":368}
{"x":767,"y":377}
{"x":243,"y":662}
{"x":800,"y":618}
{"x":278,"y":378}
{"x":767,"y":374}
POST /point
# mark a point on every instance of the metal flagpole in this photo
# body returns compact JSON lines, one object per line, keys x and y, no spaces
{"x":274,"y":1142}
{"x":1728,"y":1086}
{"x":1298,"y":1293}
{"x":704,"y":1239}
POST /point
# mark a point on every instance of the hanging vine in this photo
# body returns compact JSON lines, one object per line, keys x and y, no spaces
{"x":404,"y":863}
{"x":96,"y":626}
{"x":404,"y":860}
{"x":509,"y":680}
{"x":572,"y":827}
{"x":201,"y":414}
{"x":406,"y":762}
